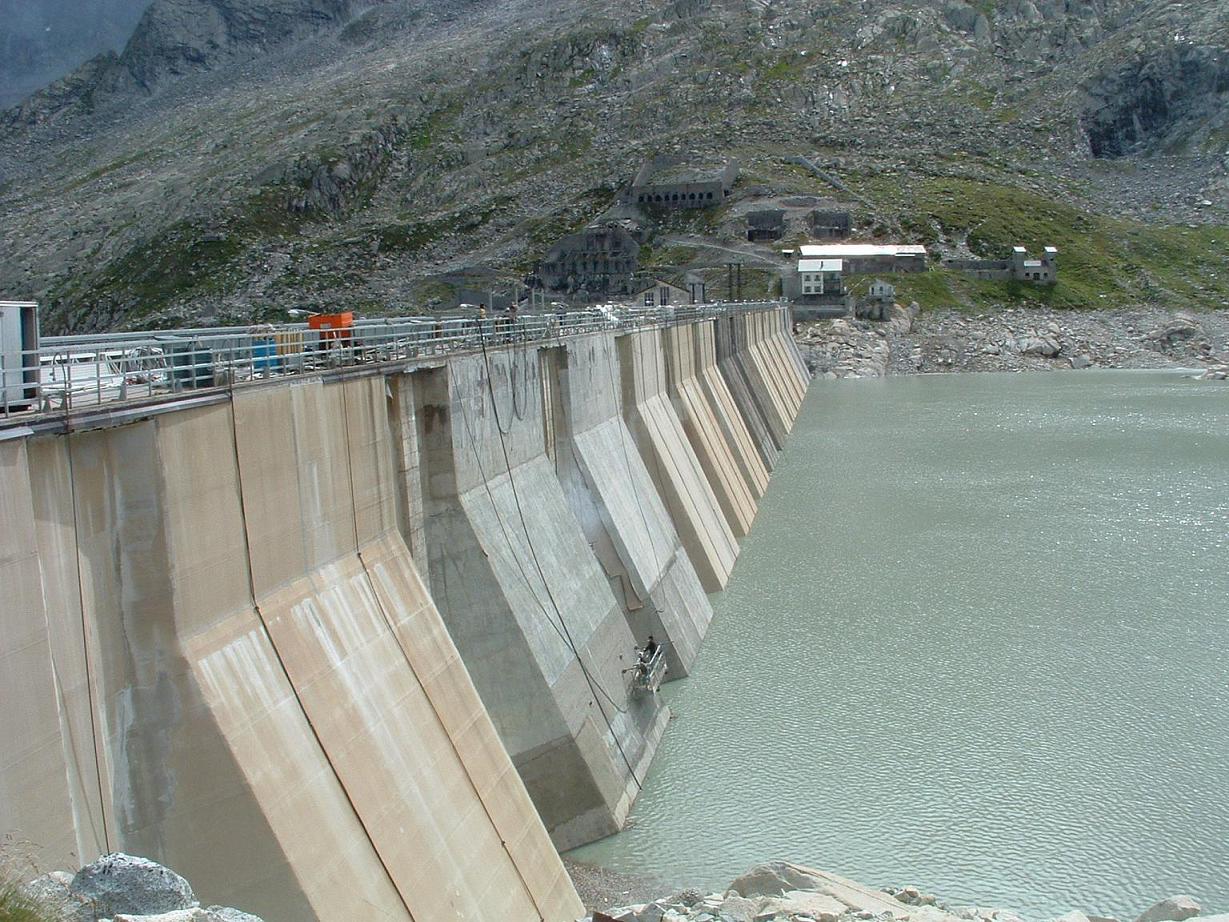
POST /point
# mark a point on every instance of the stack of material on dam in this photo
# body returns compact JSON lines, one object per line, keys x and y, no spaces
{"x":360,"y":643}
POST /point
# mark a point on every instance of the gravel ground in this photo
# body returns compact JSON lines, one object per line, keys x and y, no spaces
{"x":601,"y":888}
{"x":1016,"y":340}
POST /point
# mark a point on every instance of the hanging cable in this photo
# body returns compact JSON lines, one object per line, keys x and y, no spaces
{"x":85,"y":641}
{"x":529,"y":584}
{"x":594,"y":685}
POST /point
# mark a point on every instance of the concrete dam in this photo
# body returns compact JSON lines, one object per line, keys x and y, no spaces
{"x":358,"y":642}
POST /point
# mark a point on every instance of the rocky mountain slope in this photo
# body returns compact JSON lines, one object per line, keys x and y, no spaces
{"x":40,"y":40}
{"x":244,"y":156}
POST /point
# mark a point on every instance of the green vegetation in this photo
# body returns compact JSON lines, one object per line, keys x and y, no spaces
{"x":787,"y":68}
{"x":182,"y":262}
{"x":16,"y":907}
{"x":106,"y":168}
{"x":666,"y":257}
{"x":414,"y":236}
{"x":435,"y":127}
{"x":1103,"y":262}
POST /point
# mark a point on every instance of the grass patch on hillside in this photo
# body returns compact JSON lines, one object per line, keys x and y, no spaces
{"x":436,"y":127}
{"x":181,"y":262}
{"x":1103,"y":261}
{"x":16,"y":907}
{"x":666,"y":257}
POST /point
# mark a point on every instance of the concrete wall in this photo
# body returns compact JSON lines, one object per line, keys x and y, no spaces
{"x":612,"y":496}
{"x":220,"y":648}
{"x":270,"y":702}
{"x":525,"y":599}
{"x":677,"y":473}
{"x":699,"y":417}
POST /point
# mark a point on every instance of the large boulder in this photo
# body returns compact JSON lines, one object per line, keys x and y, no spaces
{"x":1045,"y":346}
{"x":1180,"y":328}
{"x":774,"y":879}
{"x":123,"y":884}
{"x":1174,"y":909}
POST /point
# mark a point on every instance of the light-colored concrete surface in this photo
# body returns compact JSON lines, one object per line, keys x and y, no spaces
{"x":52,"y":494}
{"x":760,"y":381}
{"x":703,"y":431}
{"x":335,"y":636}
{"x":770,"y":367}
{"x":612,"y":496}
{"x":671,"y":461}
{"x":730,"y":364}
{"x":265,"y":721}
{"x":219,"y":650}
{"x":780,"y":334}
{"x":733,"y":426}
{"x":525,"y":599}
{"x":34,"y":792}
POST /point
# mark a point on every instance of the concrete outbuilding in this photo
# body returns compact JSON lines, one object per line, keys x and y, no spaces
{"x":673,"y":182}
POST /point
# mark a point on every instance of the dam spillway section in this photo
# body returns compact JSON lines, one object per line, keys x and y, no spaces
{"x":346,"y":626}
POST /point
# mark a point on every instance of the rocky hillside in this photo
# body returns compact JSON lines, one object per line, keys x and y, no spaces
{"x":40,"y":40}
{"x":243,"y":156}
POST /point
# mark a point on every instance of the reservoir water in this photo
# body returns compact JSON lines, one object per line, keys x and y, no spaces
{"x":977,"y":642}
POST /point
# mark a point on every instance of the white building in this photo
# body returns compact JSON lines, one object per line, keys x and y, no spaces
{"x":869,"y":258}
{"x":820,"y":277}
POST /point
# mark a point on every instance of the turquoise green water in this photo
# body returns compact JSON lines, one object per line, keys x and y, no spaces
{"x":975,"y":642}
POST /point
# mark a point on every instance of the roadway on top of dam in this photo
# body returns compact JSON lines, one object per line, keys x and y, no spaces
{"x":108,"y":378}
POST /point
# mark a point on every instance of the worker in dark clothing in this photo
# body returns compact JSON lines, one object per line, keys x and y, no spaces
{"x":650,"y":649}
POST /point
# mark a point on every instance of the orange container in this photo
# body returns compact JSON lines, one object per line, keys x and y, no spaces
{"x":334,"y":328}
{"x":331,"y":321}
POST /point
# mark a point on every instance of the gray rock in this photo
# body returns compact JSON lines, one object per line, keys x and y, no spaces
{"x":1074,"y":916}
{"x":229,"y":914}
{"x":54,"y":891}
{"x":773,"y":879}
{"x":119,"y":883}
{"x":1174,"y":909}
{"x":738,"y":909}
{"x":910,"y":896}
{"x":1180,"y":328}
{"x":1040,"y":345}
{"x":177,"y":915}
{"x":1080,"y":361}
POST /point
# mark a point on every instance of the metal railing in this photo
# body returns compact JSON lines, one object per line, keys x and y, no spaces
{"x":68,"y":373}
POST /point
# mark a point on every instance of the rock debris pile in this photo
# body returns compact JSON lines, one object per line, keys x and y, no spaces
{"x":784,"y":892}
{"x":1018,"y":340}
{"x":124,"y":888}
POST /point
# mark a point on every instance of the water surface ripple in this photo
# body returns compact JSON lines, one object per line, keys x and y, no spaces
{"x":975,"y":642}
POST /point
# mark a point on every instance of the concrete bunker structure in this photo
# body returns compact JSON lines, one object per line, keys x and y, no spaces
{"x":352,"y":643}
{"x":671,"y":181}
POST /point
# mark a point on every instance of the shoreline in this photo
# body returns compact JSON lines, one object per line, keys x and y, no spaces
{"x":1016,"y":340}
{"x":781,"y":891}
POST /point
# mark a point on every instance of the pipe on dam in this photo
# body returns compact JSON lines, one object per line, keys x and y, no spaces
{"x":361,"y":643}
